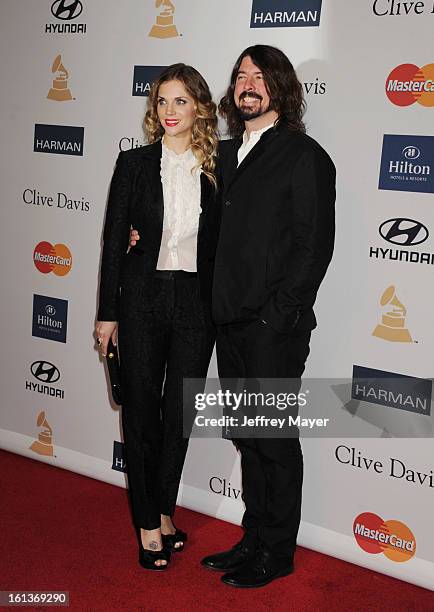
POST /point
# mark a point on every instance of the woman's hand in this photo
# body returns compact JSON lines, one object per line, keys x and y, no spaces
{"x":104,"y":330}
{"x":134,"y":237}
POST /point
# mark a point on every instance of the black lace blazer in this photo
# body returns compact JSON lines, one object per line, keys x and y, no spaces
{"x":136,"y":200}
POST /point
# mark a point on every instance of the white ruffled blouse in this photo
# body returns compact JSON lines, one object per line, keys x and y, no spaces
{"x":181,"y":194}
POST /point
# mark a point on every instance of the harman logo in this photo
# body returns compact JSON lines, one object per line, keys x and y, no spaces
{"x":392,"y":538}
{"x":406,"y":232}
{"x":49,"y":318}
{"x":61,"y":200}
{"x":164,"y":26}
{"x":143,"y":78}
{"x":129,"y":142}
{"x":392,"y":390}
{"x":119,"y":462}
{"x":392,"y":326}
{"x":407,"y":163}
{"x":407,"y":84}
{"x":285,"y":13}
{"x":60,"y":139}
{"x":66,"y":11}
{"x":59,"y":91}
{"x":48,"y":258}
{"x":46,"y":374}
{"x":403,"y":232}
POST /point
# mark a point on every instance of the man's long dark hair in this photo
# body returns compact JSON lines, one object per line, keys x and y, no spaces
{"x":283,"y":86}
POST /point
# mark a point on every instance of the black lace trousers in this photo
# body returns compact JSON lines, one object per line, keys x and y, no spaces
{"x":162,"y":339}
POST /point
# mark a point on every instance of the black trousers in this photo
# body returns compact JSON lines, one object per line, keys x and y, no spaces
{"x":160,"y":342}
{"x":272,"y":468}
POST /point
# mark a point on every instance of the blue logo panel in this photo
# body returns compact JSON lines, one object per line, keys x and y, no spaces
{"x":119,"y":462}
{"x":143,"y":78}
{"x":407,"y":163}
{"x":393,"y":390}
{"x":50,"y":316}
{"x":285,"y":13}
{"x":58,"y":139}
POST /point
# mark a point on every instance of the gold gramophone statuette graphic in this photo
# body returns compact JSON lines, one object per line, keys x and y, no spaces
{"x":59,"y":91}
{"x":44,"y":444}
{"x":164,"y":26}
{"x":392,"y":326}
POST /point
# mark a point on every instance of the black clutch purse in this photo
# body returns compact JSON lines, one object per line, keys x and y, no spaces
{"x":114,"y":372}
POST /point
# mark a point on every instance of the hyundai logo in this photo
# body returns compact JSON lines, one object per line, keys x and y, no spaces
{"x":66,"y":9}
{"x":45,"y":371}
{"x":411,"y":152}
{"x":50,"y":310}
{"x":406,"y":232}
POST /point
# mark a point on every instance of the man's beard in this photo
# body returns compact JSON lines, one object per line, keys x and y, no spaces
{"x":247,"y":114}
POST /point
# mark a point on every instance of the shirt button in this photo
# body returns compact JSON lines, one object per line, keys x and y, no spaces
{"x":228,"y":203}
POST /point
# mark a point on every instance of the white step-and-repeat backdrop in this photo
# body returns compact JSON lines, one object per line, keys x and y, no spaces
{"x":75,"y":75}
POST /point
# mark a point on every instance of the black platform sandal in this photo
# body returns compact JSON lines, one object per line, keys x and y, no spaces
{"x":169,"y":540}
{"x":147,"y":558}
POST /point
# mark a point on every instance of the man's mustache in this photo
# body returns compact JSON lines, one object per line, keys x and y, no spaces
{"x":249,"y":94}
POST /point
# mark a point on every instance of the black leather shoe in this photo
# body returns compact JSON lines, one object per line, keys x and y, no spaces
{"x":230,"y":560}
{"x":262,"y":569}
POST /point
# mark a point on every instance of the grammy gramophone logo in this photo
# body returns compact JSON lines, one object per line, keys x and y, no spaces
{"x":392,"y":326}
{"x":44,"y":444}
{"x":164,"y":26}
{"x":59,"y":91}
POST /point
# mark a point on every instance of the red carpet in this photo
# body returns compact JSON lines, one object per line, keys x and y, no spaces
{"x":62,"y":531}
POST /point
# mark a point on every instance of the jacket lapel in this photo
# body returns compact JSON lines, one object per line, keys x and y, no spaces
{"x":251,"y":157}
{"x":153,"y":170}
{"x":205,"y":192}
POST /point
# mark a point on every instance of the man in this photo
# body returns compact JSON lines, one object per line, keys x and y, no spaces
{"x":275,"y":243}
{"x":277,"y":189}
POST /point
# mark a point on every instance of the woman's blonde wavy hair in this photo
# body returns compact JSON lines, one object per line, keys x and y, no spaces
{"x":204,"y":131}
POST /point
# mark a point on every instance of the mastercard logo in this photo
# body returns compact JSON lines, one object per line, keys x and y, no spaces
{"x":392,"y":538}
{"x":48,"y":258}
{"x":407,"y":84}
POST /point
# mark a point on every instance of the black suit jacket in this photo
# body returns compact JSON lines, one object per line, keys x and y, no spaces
{"x":277,"y":230}
{"x":136,"y":200}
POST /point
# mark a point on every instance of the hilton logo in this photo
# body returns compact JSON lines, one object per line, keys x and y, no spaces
{"x":143,"y":78}
{"x":285,"y":13}
{"x":49,"y":318}
{"x":392,"y":390}
{"x":60,"y":139}
{"x":46,"y":374}
{"x":66,"y":11}
{"x":407,"y":163}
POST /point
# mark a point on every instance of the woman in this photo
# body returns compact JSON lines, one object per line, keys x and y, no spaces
{"x":156,"y":296}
